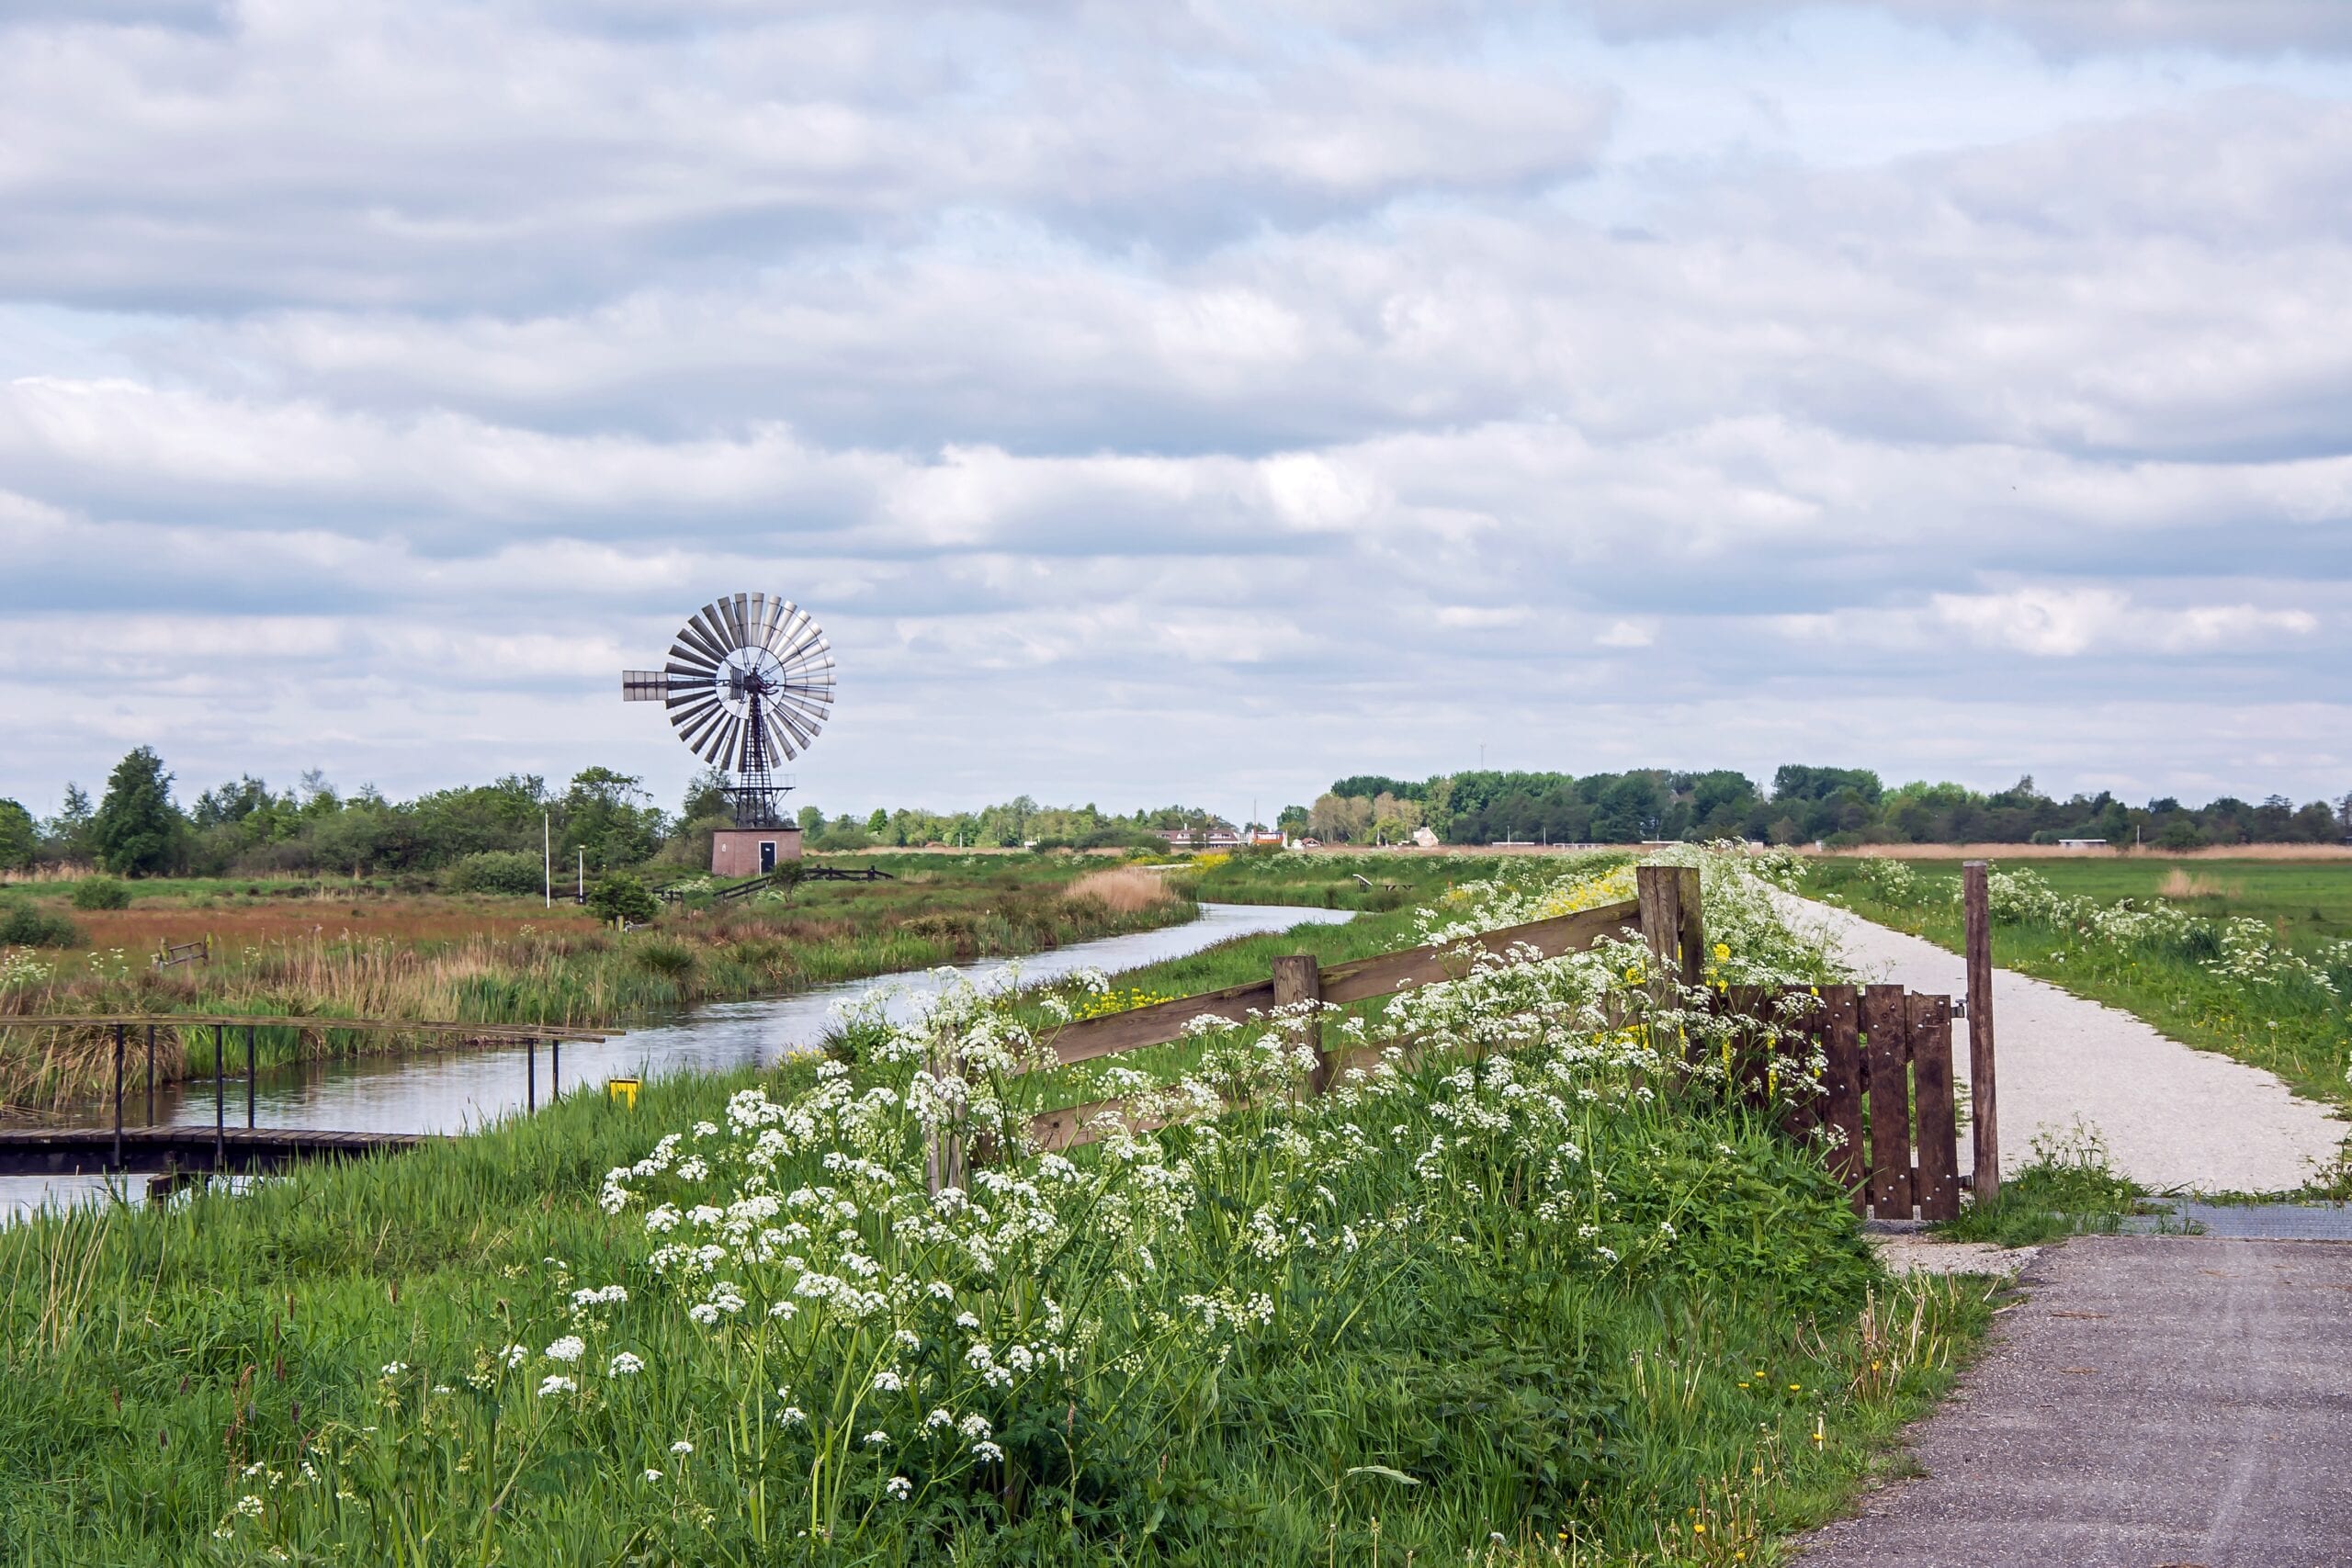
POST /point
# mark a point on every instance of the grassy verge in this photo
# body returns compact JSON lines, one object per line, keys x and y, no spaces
{"x":2069,"y":1188}
{"x":2206,"y":965}
{"x":510,"y":961}
{"x":1559,"y":1305}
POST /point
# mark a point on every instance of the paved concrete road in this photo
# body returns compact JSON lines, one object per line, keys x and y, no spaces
{"x":2154,"y":1401}
{"x":2173,"y":1118}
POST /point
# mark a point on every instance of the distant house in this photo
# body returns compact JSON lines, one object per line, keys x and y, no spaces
{"x":2082,"y":843}
{"x":1202,"y":839}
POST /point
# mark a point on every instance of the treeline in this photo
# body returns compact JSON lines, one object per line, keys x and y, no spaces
{"x":485,"y":836}
{"x":1836,"y":806}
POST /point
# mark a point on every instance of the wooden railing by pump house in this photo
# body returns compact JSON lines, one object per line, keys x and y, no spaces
{"x":1885,"y":1120}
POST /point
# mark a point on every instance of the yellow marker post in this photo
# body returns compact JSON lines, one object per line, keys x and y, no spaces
{"x":623,"y":1090}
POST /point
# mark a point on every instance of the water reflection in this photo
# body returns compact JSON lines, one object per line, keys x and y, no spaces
{"x":454,"y":1091}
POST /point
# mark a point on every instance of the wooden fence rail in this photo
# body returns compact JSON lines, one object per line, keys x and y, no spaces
{"x":1886,"y":1084}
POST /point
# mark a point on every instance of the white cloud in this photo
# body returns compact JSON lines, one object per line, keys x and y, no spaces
{"x":1162,"y":402}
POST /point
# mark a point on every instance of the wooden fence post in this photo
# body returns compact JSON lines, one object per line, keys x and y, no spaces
{"x":1298,"y":977}
{"x":1673,"y":922}
{"x":1983,"y":1124}
{"x":1690,"y":923}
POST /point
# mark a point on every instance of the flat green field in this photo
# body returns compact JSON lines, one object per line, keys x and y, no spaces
{"x":2307,"y":902}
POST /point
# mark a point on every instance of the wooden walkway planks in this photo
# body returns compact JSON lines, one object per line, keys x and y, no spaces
{"x":89,"y":1151}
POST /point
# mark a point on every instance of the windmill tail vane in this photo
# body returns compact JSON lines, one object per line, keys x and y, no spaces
{"x":748,"y":684}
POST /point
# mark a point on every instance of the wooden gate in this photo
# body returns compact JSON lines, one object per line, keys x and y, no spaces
{"x":1886,"y":1116}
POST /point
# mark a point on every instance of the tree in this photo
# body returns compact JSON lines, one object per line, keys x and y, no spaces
{"x":705,"y":796}
{"x":138,"y":831}
{"x":602,"y":815}
{"x":812,"y":821}
{"x":877,"y":821}
{"x":18,"y":838}
{"x":68,"y":832}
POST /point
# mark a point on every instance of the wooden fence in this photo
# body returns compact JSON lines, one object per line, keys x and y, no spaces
{"x":1885,"y":1118}
{"x":173,"y":953}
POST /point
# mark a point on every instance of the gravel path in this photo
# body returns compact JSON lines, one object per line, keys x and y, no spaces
{"x":2173,"y":1118}
{"x":2153,"y":1401}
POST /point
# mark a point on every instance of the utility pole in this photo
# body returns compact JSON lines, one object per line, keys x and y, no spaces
{"x":580,"y":875}
{"x":546,"y":858}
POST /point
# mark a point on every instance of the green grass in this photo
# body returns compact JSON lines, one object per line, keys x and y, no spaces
{"x":2068,"y":1189}
{"x":2301,"y":1034}
{"x":154,"y":1356}
{"x":1644,"y":1327}
{"x":1370,"y":881}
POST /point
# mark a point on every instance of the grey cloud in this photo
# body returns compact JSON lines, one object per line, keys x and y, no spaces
{"x":437,"y":157}
{"x":2066,"y":27}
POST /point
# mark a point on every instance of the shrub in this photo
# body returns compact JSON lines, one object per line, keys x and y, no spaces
{"x":671,"y":960}
{"x":498,"y":871}
{"x":620,"y":896}
{"x":100,"y":893}
{"x":30,"y":925}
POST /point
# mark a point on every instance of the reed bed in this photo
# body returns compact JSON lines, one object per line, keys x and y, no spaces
{"x":508,"y":966}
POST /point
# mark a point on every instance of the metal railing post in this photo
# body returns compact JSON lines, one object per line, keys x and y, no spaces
{"x":151,"y":1074}
{"x":117,"y":1094}
{"x":555,"y":1070}
{"x":220,"y":1097}
{"x":531,"y":1073}
{"x":250,"y":1074}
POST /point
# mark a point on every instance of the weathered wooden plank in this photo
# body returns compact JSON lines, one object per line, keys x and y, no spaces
{"x":1159,"y":1023}
{"x":1362,"y":978}
{"x":1929,"y":1019}
{"x":1356,"y":980}
{"x":1073,"y":1126}
{"x":1886,"y":1024}
{"x":516,"y":1032}
{"x":1802,"y":1120}
{"x":1841,"y":1083}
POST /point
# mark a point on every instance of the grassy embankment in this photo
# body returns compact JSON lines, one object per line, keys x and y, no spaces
{"x":2202,"y":952}
{"x":1546,"y":1312}
{"x":329,"y":950}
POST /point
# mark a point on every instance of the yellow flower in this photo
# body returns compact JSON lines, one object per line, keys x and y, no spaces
{"x":1723,"y":950}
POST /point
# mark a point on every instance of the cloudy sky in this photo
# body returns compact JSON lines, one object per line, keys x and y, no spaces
{"x":1194,"y":402}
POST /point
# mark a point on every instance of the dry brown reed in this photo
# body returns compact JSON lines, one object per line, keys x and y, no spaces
{"x":2180,"y":884}
{"x":1123,"y":890}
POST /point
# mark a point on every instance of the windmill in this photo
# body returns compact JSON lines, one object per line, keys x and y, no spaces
{"x":748,"y":684}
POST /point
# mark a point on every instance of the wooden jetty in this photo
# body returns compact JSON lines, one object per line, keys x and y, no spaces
{"x":90,"y":1151}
